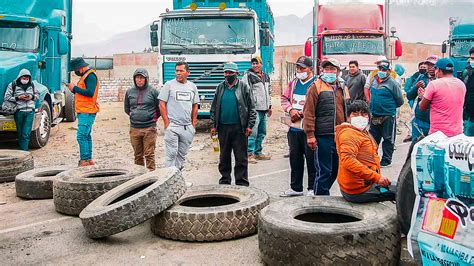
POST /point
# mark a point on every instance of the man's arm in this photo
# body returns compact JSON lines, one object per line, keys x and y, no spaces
{"x":251,"y":105}
{"x":194,"y":114}
{"x":285,"y":98}
{"x":164,"y":113}
{"x":309,"y":111}
{"x":9,"y":97}
{"x":397,"y":91}
{"x":213,"y":107}
{"x":126,"y":103}
{"x":427,"y":97}
{"x":91,"y":83}
{"x":425,"y":104}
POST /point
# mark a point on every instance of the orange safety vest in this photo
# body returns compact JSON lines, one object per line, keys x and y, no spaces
{"x":84,"y":104}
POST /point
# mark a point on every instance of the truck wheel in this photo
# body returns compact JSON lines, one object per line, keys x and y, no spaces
{"x":70,"y":107}
{"x":405,"y":197}
{"x":40,"y":136}
{"x":74,"y":189}
{"x":133,"y":202}
{"x":328,"y":231}
{"x":37,"y":183}
{"x":14,"y":162}
{"x":212,"y":213}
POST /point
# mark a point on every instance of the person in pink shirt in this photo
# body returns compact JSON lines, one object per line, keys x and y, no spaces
{"x":445,"y":96}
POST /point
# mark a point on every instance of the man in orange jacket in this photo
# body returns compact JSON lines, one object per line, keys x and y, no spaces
{"x":359,"y":174}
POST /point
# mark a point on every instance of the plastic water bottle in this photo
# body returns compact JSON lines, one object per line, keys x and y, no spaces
{"x":215,"y":143}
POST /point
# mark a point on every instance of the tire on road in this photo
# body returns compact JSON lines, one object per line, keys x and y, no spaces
{"x":133,"y":202}
{"x":212,"y":213}
{"x":14,"y":162}
{"x":74,"y":189}
{"x":405,"y":197}
{"x":38,"y":183}
{"x":328,"y":231}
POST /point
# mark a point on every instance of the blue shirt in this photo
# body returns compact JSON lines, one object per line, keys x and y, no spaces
{"x":299,"y":97}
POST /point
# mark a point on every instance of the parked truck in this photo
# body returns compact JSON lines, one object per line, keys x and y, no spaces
{"x":208,"y":33}
{"x":36,"y":35}
{"x":461,"y":39}
{"x":353,"y":32}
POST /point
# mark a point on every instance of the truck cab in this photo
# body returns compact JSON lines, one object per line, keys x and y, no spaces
{"x":36,"y":36}
{"x":461,"y":39}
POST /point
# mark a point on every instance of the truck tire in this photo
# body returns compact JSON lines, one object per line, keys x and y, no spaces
{"x":38,"y":183}
{"x":327,"y":230}
{"x":40,"y":136}
{"x":212,"y":213}
{"x":70,"y":107}
{"x":14,"y":162}
{"x":74,"y":189}
{"x":133,"y":202}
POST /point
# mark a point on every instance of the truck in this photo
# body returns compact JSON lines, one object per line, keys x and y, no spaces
{"x":353,"y":32}
{"x":36,"y":35}
{"x":460,"y":40}
{"x":208,"y":33}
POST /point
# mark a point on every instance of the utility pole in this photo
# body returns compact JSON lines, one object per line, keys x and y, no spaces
{"x":314,"y":38}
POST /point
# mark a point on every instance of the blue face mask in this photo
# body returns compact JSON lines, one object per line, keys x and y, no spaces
{"x":382,"y":74}
{"x":472,"y":64}
{"x":329,"y":77}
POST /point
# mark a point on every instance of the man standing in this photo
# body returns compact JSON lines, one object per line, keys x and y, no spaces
{"x":259,"y":83}
{"x":445,"y":96}
{"x":386,"y":96}
{"x":469,"y":99}
{"x":233,"y":116}
{"x":142,"y":105}
{"x":87,"y":106}
{"x":355,"y":81}
{"x":408,"y":84}
{"x":373,"y":75}
{"x":324,"y":109}
{"x":292,"y":102}
{"x":179,"y":100}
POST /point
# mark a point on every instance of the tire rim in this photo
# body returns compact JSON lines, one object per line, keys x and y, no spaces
{"x":44,"y":125}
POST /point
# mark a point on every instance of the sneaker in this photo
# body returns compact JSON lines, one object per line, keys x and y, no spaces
{"x":263,"y":157}
{"x":310,"y":193}
{"x":83,"y":163}
{"x":90,"y":162}
{"x":385,"y":164}
{"x":291,"y":193}
{"x":252,"y":159}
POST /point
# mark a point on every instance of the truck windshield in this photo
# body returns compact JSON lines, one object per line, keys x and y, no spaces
{"x":208,"y":35}
{"x":460,"y":48}
{"x":23,"y":37}
{"x":353,"y":44}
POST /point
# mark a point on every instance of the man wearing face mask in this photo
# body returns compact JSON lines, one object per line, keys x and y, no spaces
{"x":386,"y":96}
{"x":87,"y":106}
{"x":359,"y":174}
{"x":324,"y":109}
{"x":468,"y":79}
{"x":292,"y":101}
{"x":233,"y":115}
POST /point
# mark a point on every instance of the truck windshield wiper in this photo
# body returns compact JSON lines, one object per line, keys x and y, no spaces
{"x":7,"y":48}
{"x":230,"y":27}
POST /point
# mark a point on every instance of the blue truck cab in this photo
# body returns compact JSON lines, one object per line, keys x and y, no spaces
{"x":461,"y":39}
{"x":36,"y":35}
{"x":208,"y":33}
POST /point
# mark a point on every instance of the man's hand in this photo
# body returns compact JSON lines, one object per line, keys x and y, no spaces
{"x":269,"y":112}
{"x":70,"y":86}
{"x":295,"y":116}
{"x":420,"y":84}
{"x":248,"y":132}
{"x":384,"y":182}
{"x":23,"y":97}
{"x":421,"y":92}
{"x":213,"y":131}
{"x":312,"y":143}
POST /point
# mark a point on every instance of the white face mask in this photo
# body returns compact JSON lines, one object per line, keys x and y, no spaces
{"x":360,"y":122}
{"x":24,"y":82}
{"x":302,"y":75}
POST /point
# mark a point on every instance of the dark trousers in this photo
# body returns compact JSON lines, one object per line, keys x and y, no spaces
{"x":374,"y":194}
{"x":386,"y":130}
{"x":299,"y":150}
{"x":232,"y":138}
{"x":326,"y":163}
{"x":24,"y":124}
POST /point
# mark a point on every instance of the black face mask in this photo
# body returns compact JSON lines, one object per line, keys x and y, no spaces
{"x":78,"y":73}
{"x":422,"y":71}
{"x":231,"y":79}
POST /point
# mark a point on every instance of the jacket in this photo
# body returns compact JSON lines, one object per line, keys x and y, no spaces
{"x":411,"y":81}
{"x":86,"y":94}
{"x":356,"y":84}
{"x":16,"y":88}
{"x":469,"y":98}
{"x":412,"y":94}
{"x":359,"y":163}
{"x":247,"y":112}
{"x":261,"y":89}
{"x":385,"y":97}
{"x":286,"y":98}
{"x":142,"y":104}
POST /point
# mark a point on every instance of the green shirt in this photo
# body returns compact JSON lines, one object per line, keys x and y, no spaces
{"x":229,"y":113}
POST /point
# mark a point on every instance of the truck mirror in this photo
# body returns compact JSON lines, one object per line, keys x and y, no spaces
{"x":63,"y":44}
{"x":308,"y":48}
{"x":154,"y":38}
{"x":444,"y":48}
{"x":154,"y":27}
{"x":265,"y":37}
{"x":398,"y":48}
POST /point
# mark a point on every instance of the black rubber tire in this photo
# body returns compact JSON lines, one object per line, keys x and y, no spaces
{"x":212,"y":223}
{"x":36,"y":140}
{"x":14,"y":162}
{"x":70,"y":107}
{"x":74,"y":189}
{"x":284,"y":240}
{"x":133,"y":202}
{"x":406,"y":196}
{"x":38,"y":183}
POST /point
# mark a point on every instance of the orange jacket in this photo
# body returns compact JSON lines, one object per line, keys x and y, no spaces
{"x":84,"y":104}
{"x":359,"y":163}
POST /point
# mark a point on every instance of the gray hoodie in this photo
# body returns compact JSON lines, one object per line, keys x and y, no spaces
{"x":261,"y":89}
{"x":19,"y":89}
{"x":142,"y":104}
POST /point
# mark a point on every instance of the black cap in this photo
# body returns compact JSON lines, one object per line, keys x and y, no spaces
{"x":304,"y":61}
{"x":77,"y":63}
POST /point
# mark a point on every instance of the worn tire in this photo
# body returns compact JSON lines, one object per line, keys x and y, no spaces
{"x":133,"y":202}
{"x":212,"y":223}
{"x":14,"y":162}
{"x":74,"y":189}
{"x":405,"y":197}
{"x":284,"y":240}
{"x":38,"y":183}
{"x":69,"y":108}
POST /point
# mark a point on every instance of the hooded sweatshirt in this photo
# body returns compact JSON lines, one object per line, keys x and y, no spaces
{"x":359,"y":163}
{"x":141,"y":103}
{"x":261,"y":89}
{"x":12,"y":94}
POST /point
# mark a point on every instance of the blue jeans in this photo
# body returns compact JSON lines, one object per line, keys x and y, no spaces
{"x":469,"y":128}
{"x":326,"y":164}
{"x":258,"y":134}
{"x":415,"y":132}
{"x":24,"y":124}
{"x":84,"y":138}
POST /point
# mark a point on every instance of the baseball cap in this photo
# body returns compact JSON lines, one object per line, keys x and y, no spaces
{"x":330,"y":61}
{"x":431,"y":59}
{"x":231,"y":66}
{"x":381,"y":58}
{"x":385,"y":64}
{"x":304,"y":61}
{"x":445,"y":64}
{"x":256,"y":58}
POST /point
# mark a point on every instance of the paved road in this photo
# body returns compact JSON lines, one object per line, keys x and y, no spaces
{"x":31,"y":232}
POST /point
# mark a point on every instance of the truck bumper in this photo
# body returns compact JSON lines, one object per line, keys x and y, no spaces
{"x":7,"y":123}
